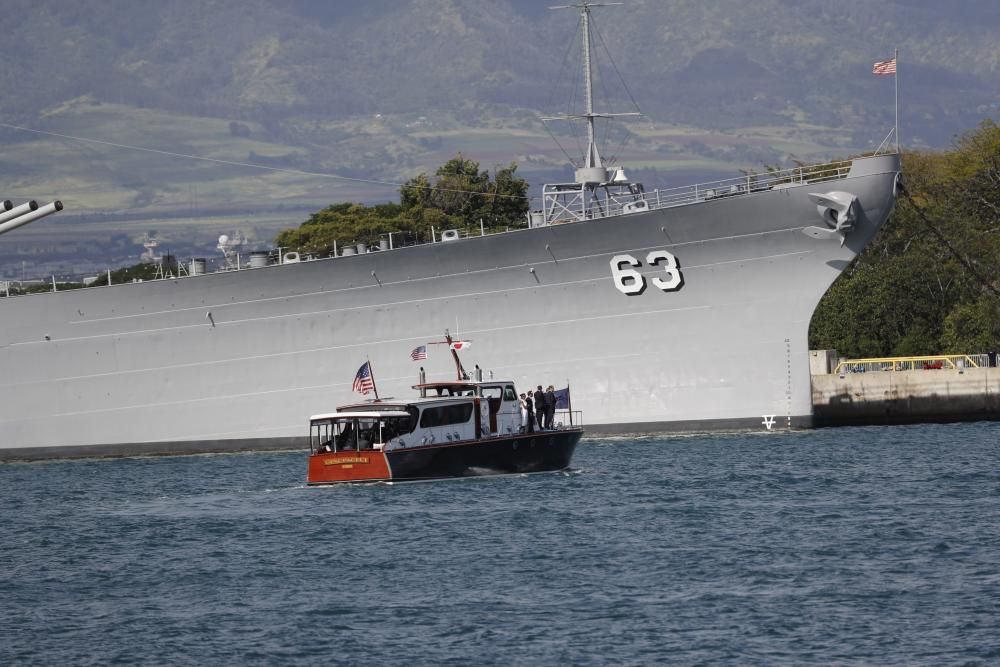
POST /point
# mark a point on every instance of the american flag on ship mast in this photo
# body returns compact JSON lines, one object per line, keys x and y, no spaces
{"x":885,"y":67}
{"x":888,"y":68}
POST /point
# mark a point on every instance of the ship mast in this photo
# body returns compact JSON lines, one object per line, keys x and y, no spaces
{"x":594,"y":189}
{"x":593,"y":158}
{"x":592,"y":171}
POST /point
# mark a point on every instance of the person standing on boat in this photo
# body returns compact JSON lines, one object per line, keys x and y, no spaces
{"x":484,"y":416}
{"x":539,"y":407}
{"x":530,"y":409}
{"x":550,"y":407}
{"x":524,"y":413}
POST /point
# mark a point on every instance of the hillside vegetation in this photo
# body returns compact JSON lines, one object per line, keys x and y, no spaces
{"x":924,"y":288}
{"x":711,"y":64}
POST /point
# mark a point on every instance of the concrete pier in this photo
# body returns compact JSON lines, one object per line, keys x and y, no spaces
{"x":902,"y":397}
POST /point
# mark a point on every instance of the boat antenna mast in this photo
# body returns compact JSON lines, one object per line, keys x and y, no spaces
{"x":448,"y":340}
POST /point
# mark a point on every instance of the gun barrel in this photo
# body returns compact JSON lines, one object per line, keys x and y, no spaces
{"x":16,"y":211}
{"x":6,"y":205}
{"x":30,"y":214}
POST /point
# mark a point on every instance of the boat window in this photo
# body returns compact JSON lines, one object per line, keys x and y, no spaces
{"x":456,"y":391}
{"x":347,"y":436}
{"x":358,"y":434}
{"x":492,"y":392}
{"x":321,"y":435}
{"x":508,"y":393}
{"x":369,"y":432}
{"x":394,"y":427}
{"x":445,"y":415}
{"x":354,"y":434}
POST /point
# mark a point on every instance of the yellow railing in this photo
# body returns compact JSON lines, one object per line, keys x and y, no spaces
{"x":934,"y":362}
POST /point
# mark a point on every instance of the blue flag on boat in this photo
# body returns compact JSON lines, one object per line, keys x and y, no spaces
{"x":562,"y":398}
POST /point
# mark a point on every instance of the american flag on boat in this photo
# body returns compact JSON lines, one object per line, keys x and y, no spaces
{"x":363,"y":380}
{"x":884,"y":67}
{"x":419,"y":352}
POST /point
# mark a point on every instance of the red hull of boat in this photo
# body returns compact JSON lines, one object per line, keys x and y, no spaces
{"x":348,"y":467}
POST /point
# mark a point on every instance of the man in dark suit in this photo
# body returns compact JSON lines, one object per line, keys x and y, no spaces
{"x":550,"y":407}
{"x":539,"y":407}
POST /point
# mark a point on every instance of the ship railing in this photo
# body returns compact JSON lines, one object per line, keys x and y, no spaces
{"x":750,"y":183}
{"x":568,"y":418}
{"x":929,"y":362}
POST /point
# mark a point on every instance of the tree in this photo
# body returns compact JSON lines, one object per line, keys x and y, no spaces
{"x":920,"y":289}
{"x":461,"y":190}
{"x":459,"y":195}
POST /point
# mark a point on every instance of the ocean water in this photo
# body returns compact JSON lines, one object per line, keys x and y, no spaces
{"x":844,"y":546}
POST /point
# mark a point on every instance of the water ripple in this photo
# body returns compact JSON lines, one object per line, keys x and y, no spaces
{"x":832,"y":547}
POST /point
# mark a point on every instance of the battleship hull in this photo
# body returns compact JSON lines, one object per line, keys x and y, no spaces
{"x":234,"y":360}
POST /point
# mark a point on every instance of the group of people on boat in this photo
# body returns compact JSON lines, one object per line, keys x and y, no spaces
{"x":538,"y":409}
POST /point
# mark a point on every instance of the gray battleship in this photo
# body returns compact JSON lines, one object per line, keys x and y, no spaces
{"x":668,"y":310}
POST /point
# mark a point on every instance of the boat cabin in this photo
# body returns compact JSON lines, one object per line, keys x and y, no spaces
{"x":356,"y":431}
{"x":447,"y":412}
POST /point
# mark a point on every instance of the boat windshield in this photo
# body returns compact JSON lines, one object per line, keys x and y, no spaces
{"x":341,"y":434}
{"x":455,"y":391}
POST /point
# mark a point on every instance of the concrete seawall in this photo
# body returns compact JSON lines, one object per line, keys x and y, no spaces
{"x":901,"y":397}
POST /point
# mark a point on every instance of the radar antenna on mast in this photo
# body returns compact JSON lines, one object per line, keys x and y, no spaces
{"x":582,"y":199}
{"x":592,"y":169}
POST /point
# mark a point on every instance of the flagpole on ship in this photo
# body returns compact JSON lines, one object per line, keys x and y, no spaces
{"x":454,"y":345}
{"x":895,"y":78}
{"x":569,"y":402}
{"x":371,"y":374}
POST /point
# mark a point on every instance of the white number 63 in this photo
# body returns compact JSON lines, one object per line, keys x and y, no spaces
{"x":629,"y":281}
